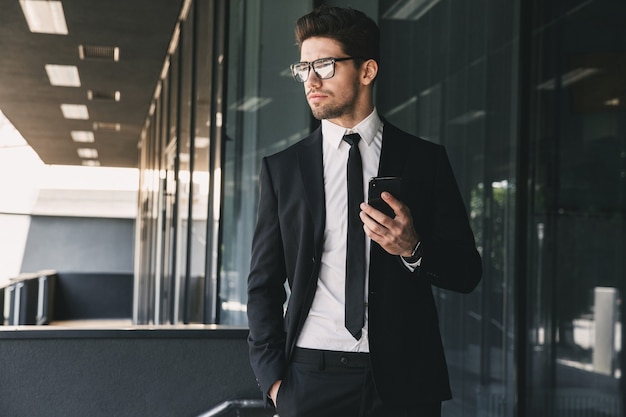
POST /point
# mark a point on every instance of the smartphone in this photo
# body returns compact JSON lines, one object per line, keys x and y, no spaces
{"x":379,"y":184}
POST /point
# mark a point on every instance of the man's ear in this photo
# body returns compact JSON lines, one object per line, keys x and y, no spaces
{"x":369,"y":70}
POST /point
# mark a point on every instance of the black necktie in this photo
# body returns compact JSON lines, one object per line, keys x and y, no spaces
{"x":355,"y":254}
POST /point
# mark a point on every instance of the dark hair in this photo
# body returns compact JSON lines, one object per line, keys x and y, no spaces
{"x":358,"y":34}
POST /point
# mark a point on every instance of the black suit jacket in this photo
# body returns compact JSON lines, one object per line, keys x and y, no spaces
{"x":406,"y":351}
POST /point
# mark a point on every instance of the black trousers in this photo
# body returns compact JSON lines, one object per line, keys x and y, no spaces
{"x":322,"y":383}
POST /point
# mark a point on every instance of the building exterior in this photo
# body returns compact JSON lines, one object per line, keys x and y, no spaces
{"x":529,"y":99}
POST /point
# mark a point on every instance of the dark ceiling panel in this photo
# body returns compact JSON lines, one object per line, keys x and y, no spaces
{"x":142,"y":29}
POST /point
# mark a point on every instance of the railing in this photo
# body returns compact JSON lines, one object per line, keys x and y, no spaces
{"x":2,"y":318}
{"x":46,"y":296}
{"x":30,"y":298}
{"x":222,"y":408}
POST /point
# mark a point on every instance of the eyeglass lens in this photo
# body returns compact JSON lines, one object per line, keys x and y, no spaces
{"x":324,"y":68}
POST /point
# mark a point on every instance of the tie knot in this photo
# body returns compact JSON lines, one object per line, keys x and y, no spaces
{"x":352,"y":138}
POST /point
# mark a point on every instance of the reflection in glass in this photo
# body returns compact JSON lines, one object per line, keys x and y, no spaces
{"x":578,"y":149}
{"x":456,"y":86}
{"x":266,"y":113}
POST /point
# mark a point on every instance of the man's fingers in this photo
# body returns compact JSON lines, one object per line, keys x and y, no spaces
{"x":396,"y":205}
{"x":394,"y":235}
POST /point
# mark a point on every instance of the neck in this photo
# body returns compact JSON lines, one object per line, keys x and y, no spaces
{"x":354,"y":118}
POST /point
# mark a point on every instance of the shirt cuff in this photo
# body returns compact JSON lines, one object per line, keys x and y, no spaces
{"x":413,"y":265}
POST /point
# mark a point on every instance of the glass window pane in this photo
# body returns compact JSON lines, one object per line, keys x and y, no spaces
{"x":186,"y":282}
{"x":449,"y":74}
{"x":577,"y":223}
{"x":200,"y":13}
{"x":266,"y":113}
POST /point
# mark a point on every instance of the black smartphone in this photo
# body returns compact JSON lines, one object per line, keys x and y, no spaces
{"x":379,"y":184}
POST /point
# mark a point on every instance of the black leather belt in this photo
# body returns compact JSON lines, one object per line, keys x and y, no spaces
{"x":330,"y":358}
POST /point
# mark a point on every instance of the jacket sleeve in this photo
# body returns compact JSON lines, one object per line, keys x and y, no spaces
{"x":266,"y":289}
{"x":450,"y":259}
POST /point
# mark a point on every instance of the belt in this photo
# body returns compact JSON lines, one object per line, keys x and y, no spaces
{"x":330,"y":358}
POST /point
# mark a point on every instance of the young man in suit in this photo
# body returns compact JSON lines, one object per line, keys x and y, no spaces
{"x":382,"y":356}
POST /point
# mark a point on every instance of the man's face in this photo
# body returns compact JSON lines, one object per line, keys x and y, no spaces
{"x":336,"y":97}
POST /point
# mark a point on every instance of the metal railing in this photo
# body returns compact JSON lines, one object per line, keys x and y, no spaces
{"x":226,"y":406}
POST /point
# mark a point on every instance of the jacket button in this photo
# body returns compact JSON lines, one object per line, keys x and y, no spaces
{"x":344,"y":360}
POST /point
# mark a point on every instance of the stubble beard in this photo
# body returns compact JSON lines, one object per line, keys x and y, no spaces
{"x":330,"y":112}
{"x":336,"y":110}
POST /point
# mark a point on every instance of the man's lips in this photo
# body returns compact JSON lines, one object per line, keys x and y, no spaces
{"x":315,"y":97}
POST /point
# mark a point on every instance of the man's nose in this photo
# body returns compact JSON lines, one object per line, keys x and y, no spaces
{"x":313,"y":79}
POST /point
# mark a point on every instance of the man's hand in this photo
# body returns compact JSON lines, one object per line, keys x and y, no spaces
{"x":274,"y":391}
{"x":397,"y":236}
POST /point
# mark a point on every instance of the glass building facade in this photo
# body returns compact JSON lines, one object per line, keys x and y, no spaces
{"x":528,"y":97}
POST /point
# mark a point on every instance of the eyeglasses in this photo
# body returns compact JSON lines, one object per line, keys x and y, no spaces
{"x":324,"y":68}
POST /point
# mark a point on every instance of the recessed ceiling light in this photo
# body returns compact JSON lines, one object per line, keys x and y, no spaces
{"x":91,"y":163}
{"x":568,"y":78}
{"x":201,"y":142}
{"x":83,"y":136}
{"x":409,"y":9}
{"x":44,"y":16}
{"x":87,"y":153}
{"x":75,"y":111}
{"x":63,"y":75}
{"x":252,"y":104}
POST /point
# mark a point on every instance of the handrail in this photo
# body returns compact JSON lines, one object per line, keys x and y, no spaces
{"x":232,"y":404}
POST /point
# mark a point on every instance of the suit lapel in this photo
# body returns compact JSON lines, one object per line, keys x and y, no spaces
{"x":393,"y":152}
{"x":393,"y":156}
{"x":311,"y":173}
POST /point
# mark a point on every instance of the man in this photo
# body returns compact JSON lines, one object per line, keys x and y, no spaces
{"x":313,"y":360}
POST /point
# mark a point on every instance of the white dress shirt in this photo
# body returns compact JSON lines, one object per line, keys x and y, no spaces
{"x":324,"y":327}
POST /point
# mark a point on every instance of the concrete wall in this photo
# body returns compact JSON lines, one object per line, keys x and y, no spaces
{"x":79,"y":244}
{"x":134,"y":373}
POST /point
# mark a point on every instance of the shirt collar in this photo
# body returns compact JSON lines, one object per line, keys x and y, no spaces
{"x":367,"y":129}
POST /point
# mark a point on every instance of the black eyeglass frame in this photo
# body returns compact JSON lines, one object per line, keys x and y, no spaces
{"x":311,"y":65}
